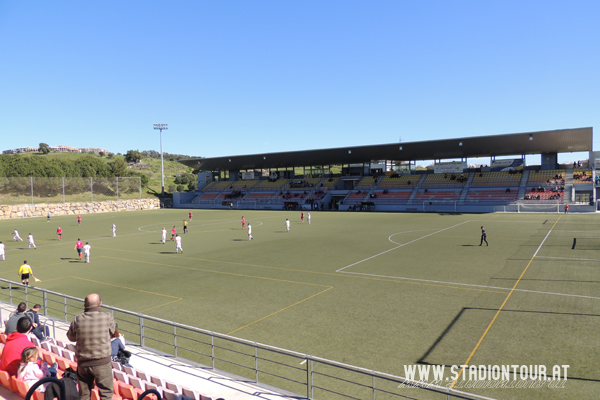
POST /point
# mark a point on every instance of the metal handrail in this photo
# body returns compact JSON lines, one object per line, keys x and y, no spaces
{"x":308,"y":371}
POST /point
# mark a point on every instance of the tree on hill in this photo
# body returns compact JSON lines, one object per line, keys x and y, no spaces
{"x":44,"y":148}
{"x":133,"y":156}
{"x":118,"y":168}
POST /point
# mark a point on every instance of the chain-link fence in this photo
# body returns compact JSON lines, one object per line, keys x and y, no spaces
{"x":67,"y":190}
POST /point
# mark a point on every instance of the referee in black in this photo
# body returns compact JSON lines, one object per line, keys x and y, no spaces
{"x":483,"y":237}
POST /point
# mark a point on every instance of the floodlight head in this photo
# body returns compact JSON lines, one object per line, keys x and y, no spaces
{"x":161,"y":126}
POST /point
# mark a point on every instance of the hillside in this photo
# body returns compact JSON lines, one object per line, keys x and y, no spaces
{"x":148,"y":166}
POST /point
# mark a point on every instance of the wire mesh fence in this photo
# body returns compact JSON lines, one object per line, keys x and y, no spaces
{"x":38,"y":190}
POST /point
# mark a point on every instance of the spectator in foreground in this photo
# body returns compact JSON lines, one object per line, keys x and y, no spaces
{"x":32,"y":370}
{"x":91,"y":330}
{"x":11,"y":324}
{"x":40,"y":331}
{"x":16,"y":342}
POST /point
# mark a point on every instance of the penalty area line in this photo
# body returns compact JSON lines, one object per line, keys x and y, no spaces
{"x":397,"y":247}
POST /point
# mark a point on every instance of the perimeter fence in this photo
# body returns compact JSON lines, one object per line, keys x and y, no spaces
{"x":309,"y":377}
{"x":32,"y":190}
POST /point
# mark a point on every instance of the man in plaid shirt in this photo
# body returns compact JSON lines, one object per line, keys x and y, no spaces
{"x":92,"y":330}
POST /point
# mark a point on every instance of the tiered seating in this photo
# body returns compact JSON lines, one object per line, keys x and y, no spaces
{"x":496,"y":179}
{"x":545,"y":178}
{"x":128,"y":383}
{"x":216,"y":186}
{"x":491,"y":196}
{"x":316,"y":196}
{"x":205,"y":198}
{"x":244,"y":185}
{"x":355,"y":197}
{"x":330,"y":183}
{"x":221,"y":197}
{"x":290,"y":195}
{"x":582,"y":176}
{"x":259,"y":196}
{"x":534,"y":195}
{"x":366,"y":182}
{"x":392,"y":196}
{"x":433,"y":180}
{"x":304,"y":183}
{"x":271,"y":186}
{"x":399,"y":181}
{"x":437,"y":195}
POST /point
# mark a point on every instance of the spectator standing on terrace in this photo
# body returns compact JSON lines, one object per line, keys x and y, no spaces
{"x":483,"y":237}
{"x":287,"y":225}
{"x":243,"y":222}
{"x":2,"y":252}
{"x":16,"y":235}
{"x":24,"y":272}
{"x":178,"y":244}
{"x":92,"y":330}
{"x":86,"y":252}
{"x":59,"y":232}
{"x":164,"y":235}
{"x":31,"y":242}
{"x":79,"y":220}
{"x":79,"y":247}
{"x":15,"y":343}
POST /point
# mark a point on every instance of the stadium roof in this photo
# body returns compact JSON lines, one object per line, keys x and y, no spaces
{"x":515,"y":144}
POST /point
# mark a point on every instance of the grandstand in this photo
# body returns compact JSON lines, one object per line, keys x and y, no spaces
{"x":217,"y":186}
{"x":491,"y":196}
{"x":437,"y":195}
{"x":497,"y":179}
{"x":503,"y":185}
{"x":398,"y":181}
{"x":439,"y":180}
{"x":152,"y":371}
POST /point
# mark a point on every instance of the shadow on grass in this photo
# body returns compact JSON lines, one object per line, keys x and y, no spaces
{"x":467,"y":309}
{"x":166,"y":252}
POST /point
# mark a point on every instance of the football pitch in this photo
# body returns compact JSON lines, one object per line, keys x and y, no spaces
{"x":377,"y":290}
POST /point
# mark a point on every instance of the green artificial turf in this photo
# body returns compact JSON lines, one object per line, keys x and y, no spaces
{"x":376,"y":290}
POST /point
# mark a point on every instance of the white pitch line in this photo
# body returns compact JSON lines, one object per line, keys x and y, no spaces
{"x":397,"y":247}
{"x":468,"y":284}
{"x":458,"y":283}
{"x":571,"y":259}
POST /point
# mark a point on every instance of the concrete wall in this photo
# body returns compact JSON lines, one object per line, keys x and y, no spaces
{"x":42,"y":210}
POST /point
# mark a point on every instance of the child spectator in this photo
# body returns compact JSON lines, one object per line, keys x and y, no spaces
{"x":32,"y":370}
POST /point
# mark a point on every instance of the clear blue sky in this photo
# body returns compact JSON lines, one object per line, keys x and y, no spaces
{"x":241,"y":77}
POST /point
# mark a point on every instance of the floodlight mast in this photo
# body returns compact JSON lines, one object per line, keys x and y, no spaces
{"x":160,"y":127}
